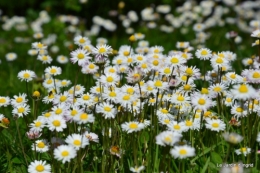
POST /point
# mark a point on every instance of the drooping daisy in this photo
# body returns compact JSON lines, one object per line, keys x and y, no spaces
{"x":132,"y":126}
{"x":80,"y":56}
{"x":77,"y":141}
{"x":39,"y":166}
{"x":102,"y":50}
{"x":215,"y":124}
{"x":243,"y":150}
{"x":40,"y":146}
{"x":203,"y":54}
{"x":53,"y":70}
{"x":4,"y":101}
{"x":243,"y":91}
{"x":64,"y":153}
{"x":107,"y":110}
{"x":182,"y":152}
{"x":26,"y":75}
{"x":21,"y":110}
{"x":137,"y":169}
{"x":56,"y":123}
{"x":167,"y":138}
{"x":91,"y":136}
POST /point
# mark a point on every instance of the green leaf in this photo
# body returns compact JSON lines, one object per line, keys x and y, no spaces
{"x":205,"y":166}
{"x":16,"y":160}
{"x":215,"y":158}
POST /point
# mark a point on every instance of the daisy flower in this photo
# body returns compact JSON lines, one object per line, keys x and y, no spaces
{"x":156,"y":49}
{"x":48,"y":83}
{"x":201,"y":101}
{"x":40,"y":146}
{"x":77,"y":141}
{"x":83,"y":118}
{"x":125,"y":50}
{"x":26,"y":75}
{"x":115,"y":150}
{"x":244,"y":150}
{"x":65,"y":98}
{"x":119,"y":60}
{"x":38,"y":46}
{"x":238,"y":111}
{"x":56,"y":123}
{"x":73,"y":112}
{"x":139,"y":58}
{"x":53,"y":70}
{"x":167,"y":138}
{"x":175,"y":60}
{"x":64,"y":153}
{"x":39,"y":166}
{"x":182,"y":152}
{"x":33,"y":134}
{"x":62,"y":59}
{"x":182,"y":45}
{"x":125,"y":99}
{"x":133,"y":126}
{"x":137,"y":169}
{"x":180,"y":99}
{"x":80,"y":56}
{"x":109,"y":79}
{"x":107,"y":110}
{"x":89,"y":68}
{"x":203,"y":54}
{"x":38,"y":124}
{"x":233,"y":138}
{"x":21,"y":110}
{"x":191,"y":71}
{"x":111,"y":95}
{"x":162,"y":112}
{"x":79,"y":89}
{"x":11,"y":56}
{"x":215,"y":124}
{"x":45,"y":59}
{"x":81,"y":41}
{"x":256,"y":33}
{"x":233,"y":78}
{"x":59,"y":110}
{"x":177,"y":126}
{"x":102,"y":50}
{"x":4,"y":101}
{"x":218,"y":62}
{"x":64,"y":83}
{"x":158,"y":84}
{"x":216,"y":89}
{"x":134,"y":75}
{"x":91,"y":136}
{"x":243,"y":91}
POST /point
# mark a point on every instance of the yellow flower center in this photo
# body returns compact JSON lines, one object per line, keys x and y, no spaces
{"x":243,"y":88}
{"x":174,"y":60}
{"x":155,"y":62}
{"x":249,"y":61}
{"x":41,"y":145}
{"x":188,"y":123}
{"x":48,"y":114}
{"x":177,"y":127}
{"x":243,"y":149}
{"x":107,"y":108}
{"x":133,"y":126}
{"x":183,"y":152}
{"x":233,"y":76}
{"x":130,"y":90}
{"x":164,"y":111}
{"x":187,"y":87}
{"x":44,"y":58}
{"x":239,"y":109}
{"x":139,"y":58}
{"x":64,"y":153}
{"x":49,"y":81}
{"x":112,"y":94}
{"x":204,"y":91}
{"x":39,"y":168}
{"x":91,"y":66}
{"x":168,"y":139}
{"x":77,"y":142}
{"x":167,"y":70}
{"x":102,"y":50}
{"x":219,"y":60}
{"x":56,"y":123}
{"x":156,"y":51}
{"x":53,"y":71}
{"x":19,"y":99}
{"x":80,"y":56}
{"x":217,"y":89}
{"x":158,"y":83}
{"x":126,"y":53}
{"x":26,"y":75}
{"x":144,"y":66}
{"x":82,"y":40}
{"x":86,"y":97}
{"x":201,"y":101}
{"x":180,"y":98}
{"x":189,"y":71}
{"x":39,"y":45}
{"x":204,"y":52}
{"x":215,"y":125}
{"x":73,"y":112}
{"x":256,"y":75}
{"x":110,"y":79}
{"x":166,"y":121}
{"x":126,"y":97}
{"x":2,"y":100}
{"x":119,"y":61}
{"x":84,"y":116}
{"x":58,"y":111}
{"x":20,"y":110}
{"x":63,"y":98}
{"x":38,"y":124}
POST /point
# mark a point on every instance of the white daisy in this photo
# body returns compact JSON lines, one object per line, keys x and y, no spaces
{"x":215,"y":124}
{"x":39,"y":166}
{"x":64,"y":153}
{"x":132,"y":126}
{"x":77,"y":141}
{"x":182,"y":152}
{"x":80,"y":56}
{"x":26,"y":75}
{"x":168,"y":138}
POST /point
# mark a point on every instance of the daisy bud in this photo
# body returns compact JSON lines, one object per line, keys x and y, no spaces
{"x":36,"y":94}
{"x":132,"y":38}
